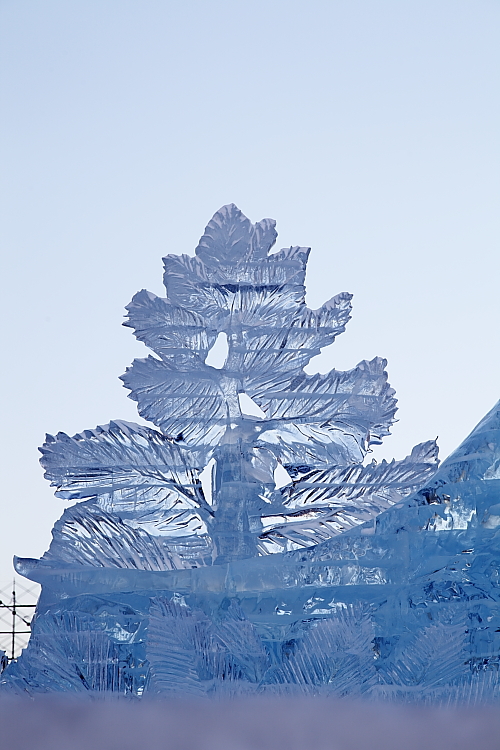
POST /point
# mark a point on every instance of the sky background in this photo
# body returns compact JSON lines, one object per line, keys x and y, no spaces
{"x":369,"y":129}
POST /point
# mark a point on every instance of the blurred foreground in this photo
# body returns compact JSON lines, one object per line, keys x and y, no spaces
{"x":49,"y":723}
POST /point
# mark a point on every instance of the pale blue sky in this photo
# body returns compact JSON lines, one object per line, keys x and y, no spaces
{"x":368,"y":129}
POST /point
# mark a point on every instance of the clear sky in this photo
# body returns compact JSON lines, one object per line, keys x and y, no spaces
{"x":369,"y":129}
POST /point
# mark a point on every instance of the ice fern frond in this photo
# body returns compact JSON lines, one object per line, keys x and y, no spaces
{"x":324,"y":503}
{"x":194,"y":654}
{"x":334,"y":656}
{"x":436,"y":655}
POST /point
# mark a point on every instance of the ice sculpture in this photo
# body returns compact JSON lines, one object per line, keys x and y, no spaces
{"x":350,"y":579}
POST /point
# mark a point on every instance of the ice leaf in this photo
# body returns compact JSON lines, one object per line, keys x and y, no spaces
{"x":334,"y":654}
{"x":325,"y":503}
{"x":254,"y":294}
{"x":57,"y":664}
{"x":330,"y":418}
{"x":188,"y":406}
{"x":435,"y":655}
{"x":188,"y":284}
{"x":301,"y":446}
{"x":170,"y":331}
{"x":384,"y":483}
{"x":280,"y":352}
{"x":87,"y":535}
{"x":177,"y":638}
{"x":231,"y":238}
{"x":193,"y":653}
{"x":227,"y":237}
{"x":263,"y":238}
{"x":121,"y":458}
{"x":360,"y":396}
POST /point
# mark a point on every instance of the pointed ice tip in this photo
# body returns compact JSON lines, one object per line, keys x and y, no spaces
{"x":230,"y":237}
{"x":227,"y":237}
{"x":338,"y":299}
{"x":426,"y":453}
{"x":140,"y":299}
{"x":480,"y":451}
{"x":491,"y":421}
{"x":24,"y":565}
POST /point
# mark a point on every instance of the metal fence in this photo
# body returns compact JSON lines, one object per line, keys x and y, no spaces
{"x":17,"y":607}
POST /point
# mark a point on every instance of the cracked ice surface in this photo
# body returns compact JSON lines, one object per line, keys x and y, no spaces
{"x":351,"y":578}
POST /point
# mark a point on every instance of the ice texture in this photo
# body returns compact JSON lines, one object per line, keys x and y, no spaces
{"x":353,"y":579}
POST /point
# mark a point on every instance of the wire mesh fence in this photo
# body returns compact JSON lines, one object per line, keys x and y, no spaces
{"x":17,"y":607}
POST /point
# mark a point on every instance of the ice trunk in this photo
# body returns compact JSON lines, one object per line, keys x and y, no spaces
{"x":237,"y":497}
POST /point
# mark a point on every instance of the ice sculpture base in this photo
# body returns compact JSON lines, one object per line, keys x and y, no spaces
{"x":405,"y":608}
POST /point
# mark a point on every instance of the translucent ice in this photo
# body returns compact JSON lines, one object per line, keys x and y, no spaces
{"x":348,"y":579}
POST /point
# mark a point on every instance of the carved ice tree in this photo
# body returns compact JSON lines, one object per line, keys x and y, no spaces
{"x":144,"y":506}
